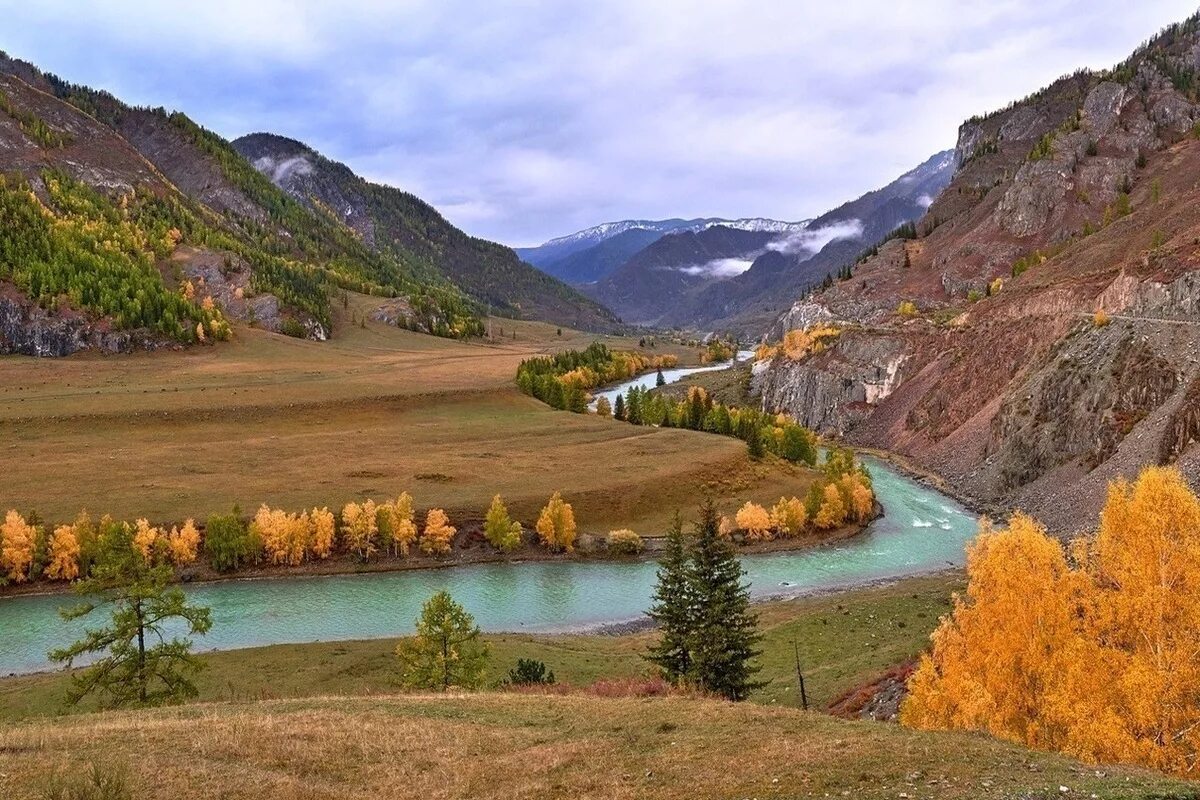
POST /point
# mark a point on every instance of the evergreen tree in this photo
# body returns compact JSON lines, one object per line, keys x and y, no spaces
{"x":754,"y":444}
{"x":724,"y":630}
{"x":672,"y":608}
{"x":446,"y":650}
{"x":619,"y":409}
{"x":140,"y":666}
{"x":660,"y":379}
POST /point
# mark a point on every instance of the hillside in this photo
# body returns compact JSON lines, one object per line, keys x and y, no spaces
{"x":396,"y":222}
{"x":1076,"y":199}
{"x":740,"y":276}
{"x":122,"y":222}
{"x":506,"y":745}
{"x":601,"y":259}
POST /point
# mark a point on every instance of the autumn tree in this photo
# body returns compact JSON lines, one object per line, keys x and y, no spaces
{"x":858,"y":495}
{"x":135,"y":663}
{"x":502,"y":531}
{"x":556,"y":524}
{"x":603,"y":407}
{"x":446,"y":650}
{"x":624,"y":542}
{"x":16,"y":547}
{"x":438,"y":534}
{"x":755,"y":521}
{"x":832,"y":512}
{"x":64,"y":554}
{"x":323,"y":532}
{"x":788,"y":517}
{"x":1098,"y":655}
{"x":360,"y":529}
{"x":147,"y":539}
{"x":184,"y":543}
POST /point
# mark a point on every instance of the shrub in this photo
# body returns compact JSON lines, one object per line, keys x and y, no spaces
{"x":530,"y":672}
{"x":907,"y":308}
{"x":624,"y":542}
{"x":1100,"y":318}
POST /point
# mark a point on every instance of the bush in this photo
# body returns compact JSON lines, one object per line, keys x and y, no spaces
{"x":530,"y":672}
{"x":624,"y":542}
{"x":907,"y":308}
{"x":1101,"y":318}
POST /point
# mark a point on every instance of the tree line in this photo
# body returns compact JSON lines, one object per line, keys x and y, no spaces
{"x":564,"y":379}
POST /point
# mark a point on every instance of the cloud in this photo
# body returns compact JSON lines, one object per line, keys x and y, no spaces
{"x":722,"y":267}
{"x":528,"y":120}
{"x":811,"y":240}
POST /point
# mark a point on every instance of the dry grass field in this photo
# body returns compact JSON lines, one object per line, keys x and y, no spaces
{"x":534,"y":746}
{"x":374,"y":412}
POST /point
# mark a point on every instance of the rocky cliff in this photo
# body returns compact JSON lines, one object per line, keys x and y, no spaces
{"x":997,"y":371}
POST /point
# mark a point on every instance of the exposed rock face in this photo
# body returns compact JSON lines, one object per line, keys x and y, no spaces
{"x":26,"y":329}
{"x":1021,"y":399}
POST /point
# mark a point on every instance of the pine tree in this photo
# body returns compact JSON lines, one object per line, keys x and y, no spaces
{"x":446,"y":650}
{"x":724,"y":630}
{"x":672,"y":608}
{"x":619,"y":409}
{"x":660,"y":379}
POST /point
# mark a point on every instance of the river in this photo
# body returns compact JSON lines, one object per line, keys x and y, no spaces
{"x":650,"y":379}
{"x":921,"y":531}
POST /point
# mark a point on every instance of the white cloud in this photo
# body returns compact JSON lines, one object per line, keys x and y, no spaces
{"x":811,"y":240}
{"x":720,"y":267}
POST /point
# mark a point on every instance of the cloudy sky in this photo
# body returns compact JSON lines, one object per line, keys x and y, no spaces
{"x":526,"y":120}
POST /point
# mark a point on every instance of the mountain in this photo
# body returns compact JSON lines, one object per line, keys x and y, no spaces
{"x":397,"y":222}
{"x":1049,"y":338}
{"x":558,"y":249}
{"x":593,"y":263}
{"x":713,"y":281}
{"x":134,"y":227}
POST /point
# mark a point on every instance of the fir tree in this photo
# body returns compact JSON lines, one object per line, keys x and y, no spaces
{"x":672,"y":608}
{"x":660,"y":379}
{"x":619,"y":409}
{"x":724,"y":630}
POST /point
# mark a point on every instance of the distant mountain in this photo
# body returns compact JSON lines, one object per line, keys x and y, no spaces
{"x":397,"y":222}
{"x":593,"y":263}
{"x":699,"y":274}
{"x":557,"y":249}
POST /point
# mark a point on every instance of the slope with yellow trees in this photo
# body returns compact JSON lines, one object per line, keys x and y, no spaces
{"x":1093,"y":651}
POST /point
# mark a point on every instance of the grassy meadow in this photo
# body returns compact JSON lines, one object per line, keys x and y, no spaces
{"x":175,"y":434}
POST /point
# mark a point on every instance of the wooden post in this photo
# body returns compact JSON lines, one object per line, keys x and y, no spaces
{"x":800,"y":677}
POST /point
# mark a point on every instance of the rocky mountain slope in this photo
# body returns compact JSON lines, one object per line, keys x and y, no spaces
{"x":1049,"y":337}
{"x":132,"y":227}
{"x":702,"y":276}
{"x":394,"y":221}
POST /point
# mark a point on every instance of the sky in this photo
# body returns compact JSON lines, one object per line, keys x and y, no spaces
{"x":528,"y":119}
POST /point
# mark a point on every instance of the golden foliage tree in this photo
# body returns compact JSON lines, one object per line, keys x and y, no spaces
{"x":146,"y":539}
{"x":859,"y":496}
{"x":438,"y":533}
{"x":501,"y":530}
{"x":16,"y":547}
{"x":64,"y":554}
{"x":323,"y":531}
{"x":788,"y":517}
{"x":556,"y":524}
{"x":833,"y":509}
{"x":397,"y":531}
{"x":1097,"y":656}
{"x":359,"y":528}
{"x":285,"y":536}
{"x":184,"y":543}
{"x":755,"y":521}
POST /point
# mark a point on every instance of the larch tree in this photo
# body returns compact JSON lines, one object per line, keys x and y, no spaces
{"x":438,"y":535}
{"x":16,"y":547}
{"x":135,"y":663}
{"x":1097,"y":656}
{"x":323,"y":531}
{"x":755,"y":521}
{"x":359,"y":529}
{"x":832,"y":512}
{"x":788,"y":517}
{"x":556,"y":524}
{"x":184,"y":543}
{"x":147,"y":538}
{"x":446,"y":651}
{"x":503,"y":532}
{"x":64,"y":554}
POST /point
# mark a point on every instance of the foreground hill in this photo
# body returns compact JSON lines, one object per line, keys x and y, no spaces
{"x":506,"y":746}
{"x":120,"y":223}
{"x":1001,"y":375}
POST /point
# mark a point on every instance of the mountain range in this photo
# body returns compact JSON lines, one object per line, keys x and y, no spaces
{"x":731,"y":274}
{"x":180,"y":207}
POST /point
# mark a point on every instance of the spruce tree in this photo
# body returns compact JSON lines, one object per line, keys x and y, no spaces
{"x":619,"y":409}
{"x":672,"y":608}
{"x":724,"y":629}
{"x":660,"y":379}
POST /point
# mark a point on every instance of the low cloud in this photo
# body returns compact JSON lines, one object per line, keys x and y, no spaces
{"x":721,"y":267}
{"x":809,"y":242}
